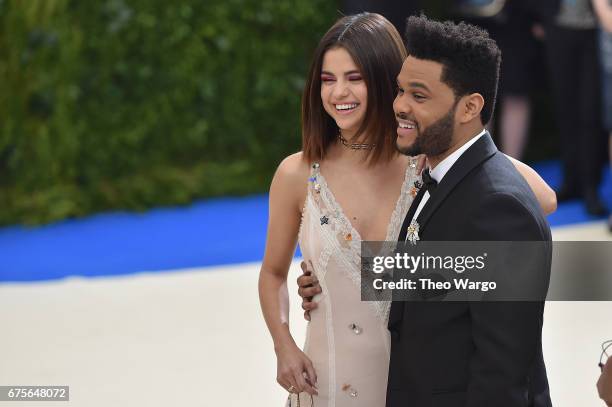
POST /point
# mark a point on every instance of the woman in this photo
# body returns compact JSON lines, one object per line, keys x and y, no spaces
{"x":348,"y":184}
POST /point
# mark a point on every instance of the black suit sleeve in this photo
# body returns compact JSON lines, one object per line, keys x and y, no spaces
{"x":506,"y":335}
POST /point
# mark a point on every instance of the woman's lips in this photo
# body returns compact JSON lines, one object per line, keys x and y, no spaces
{"x":346,"y":108}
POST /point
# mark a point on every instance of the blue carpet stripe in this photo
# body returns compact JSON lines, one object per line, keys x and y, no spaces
{"x":206,"y":233}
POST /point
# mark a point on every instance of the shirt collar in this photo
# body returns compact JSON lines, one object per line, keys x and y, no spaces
{"x":445,"y":165}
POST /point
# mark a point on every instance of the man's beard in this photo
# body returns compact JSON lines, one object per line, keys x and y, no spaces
{"x":435,"y":140}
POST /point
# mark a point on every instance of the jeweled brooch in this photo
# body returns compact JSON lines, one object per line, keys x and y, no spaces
{"x":413,"y":232}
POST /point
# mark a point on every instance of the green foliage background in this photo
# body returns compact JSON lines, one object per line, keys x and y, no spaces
{"x":132,"y":104}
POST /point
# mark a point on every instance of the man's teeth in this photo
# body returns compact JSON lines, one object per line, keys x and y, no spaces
{"x":407,"y":126}
{"x":346,"y":106}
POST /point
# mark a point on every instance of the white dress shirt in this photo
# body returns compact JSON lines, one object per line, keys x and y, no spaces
{"x":440,"y":170}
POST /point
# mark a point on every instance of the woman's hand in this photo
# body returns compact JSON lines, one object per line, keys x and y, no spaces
{"x":292,"y":363}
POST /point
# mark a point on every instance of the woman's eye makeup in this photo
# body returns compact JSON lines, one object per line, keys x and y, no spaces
{"x":351,"y":78}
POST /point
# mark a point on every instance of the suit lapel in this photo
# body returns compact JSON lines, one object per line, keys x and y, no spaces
{"x":480,"y":151}
{"x":397,"y":308}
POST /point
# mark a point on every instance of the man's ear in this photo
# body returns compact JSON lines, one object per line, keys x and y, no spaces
{"x":470,"y":107}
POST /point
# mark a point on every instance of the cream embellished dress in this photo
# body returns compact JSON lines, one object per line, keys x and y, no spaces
{"x":347,"y":339}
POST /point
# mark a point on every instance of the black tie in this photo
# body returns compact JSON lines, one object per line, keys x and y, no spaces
{"x":429,"y":183}
{"x":409,"y":215}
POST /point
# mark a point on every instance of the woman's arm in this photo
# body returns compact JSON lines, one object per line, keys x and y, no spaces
{"x":287,"y":194}
{"x":545,"y":194}
{"x":603,"y":9}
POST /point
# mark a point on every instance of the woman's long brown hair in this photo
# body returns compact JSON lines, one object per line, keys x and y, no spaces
{"x":378,"y":51}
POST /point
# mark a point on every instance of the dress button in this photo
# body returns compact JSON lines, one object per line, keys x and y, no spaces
{"x":355,"y":328}
{"x":352,"y":391}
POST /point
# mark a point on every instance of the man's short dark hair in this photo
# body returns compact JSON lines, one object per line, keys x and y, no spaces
{"x":470,"y":58}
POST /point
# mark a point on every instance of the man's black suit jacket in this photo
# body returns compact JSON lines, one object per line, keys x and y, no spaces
{"x":459,"y":354}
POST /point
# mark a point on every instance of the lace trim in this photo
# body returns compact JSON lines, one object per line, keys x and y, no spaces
{"x":403,"y":203}
{"x":341,"y":236}
{"x":320,"y":263}
{"x":346,"y":239}
{"x":302,"y":215}
{"x":397,"y":218}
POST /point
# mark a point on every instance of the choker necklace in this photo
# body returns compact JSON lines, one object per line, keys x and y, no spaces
{"x":355,"y":146}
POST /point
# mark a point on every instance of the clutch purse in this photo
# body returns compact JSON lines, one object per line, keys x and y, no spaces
{"x":294,"y":401}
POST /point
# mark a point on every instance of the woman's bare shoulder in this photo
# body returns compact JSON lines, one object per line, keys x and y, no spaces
{"x":293,"y":168}
{"x":291,"y":178}
{"x":293,"y":165}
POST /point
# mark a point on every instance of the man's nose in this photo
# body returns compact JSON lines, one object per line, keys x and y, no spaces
{"x":401,"y":108}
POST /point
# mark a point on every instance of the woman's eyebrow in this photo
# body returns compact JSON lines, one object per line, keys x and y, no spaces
{"x":352,"y":72}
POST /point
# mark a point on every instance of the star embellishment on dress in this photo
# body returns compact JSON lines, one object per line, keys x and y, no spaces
{"x":415,"y":188}
{"x":324,"y":220}
{"x":413,"y":232}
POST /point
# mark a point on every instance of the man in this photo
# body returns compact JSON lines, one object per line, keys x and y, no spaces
{"x":461,"y":354}
{"x":604,"y":384}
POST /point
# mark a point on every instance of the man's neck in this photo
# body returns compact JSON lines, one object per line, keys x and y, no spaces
{"x":433,"y":161}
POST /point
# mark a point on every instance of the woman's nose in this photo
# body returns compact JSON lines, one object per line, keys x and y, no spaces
{"x":341,"y":89}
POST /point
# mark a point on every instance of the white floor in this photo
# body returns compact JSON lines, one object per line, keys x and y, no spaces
{"x":197,"y":338}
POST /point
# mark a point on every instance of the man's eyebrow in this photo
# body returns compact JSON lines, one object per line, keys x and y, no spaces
{"x":419,"y":85}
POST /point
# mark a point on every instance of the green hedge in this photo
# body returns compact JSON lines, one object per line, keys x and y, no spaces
{"x":132,"y":104}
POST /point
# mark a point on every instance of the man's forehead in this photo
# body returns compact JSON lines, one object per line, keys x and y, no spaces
{"x":420,"y":69}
